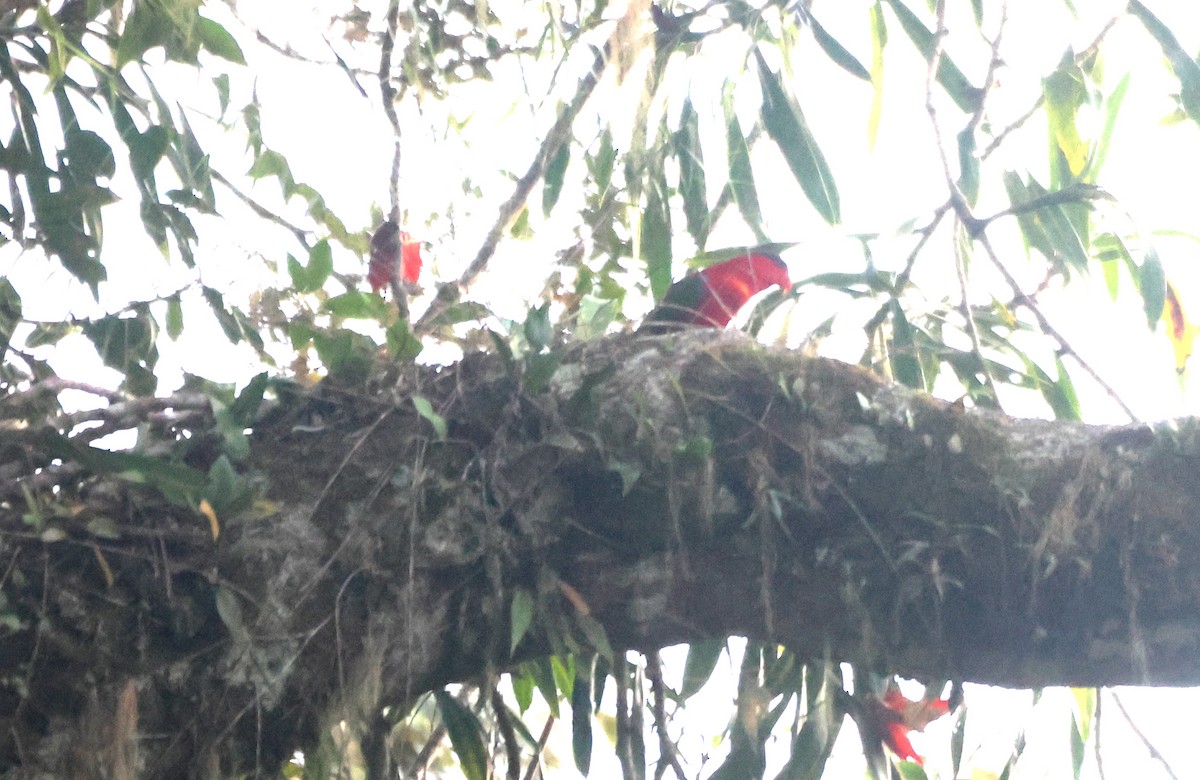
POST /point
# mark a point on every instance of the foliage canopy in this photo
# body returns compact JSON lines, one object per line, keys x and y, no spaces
{"x":946,"y":181}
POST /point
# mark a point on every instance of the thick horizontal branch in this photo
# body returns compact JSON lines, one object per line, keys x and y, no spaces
{"x":670,"y":488}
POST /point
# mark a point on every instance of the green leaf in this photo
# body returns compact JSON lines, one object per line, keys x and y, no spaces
{"x":543,"y":676}
{"x":601,"y":165}
{"x":229,"y":323}
{"x":523,"y":684}
{"x":221,"y":83}
{"x":1186,"y":69}
{"x":402,"y":343}
{"x":1112,"y":108}
{"x":217,"y":40}
{"x":146,"y":149}
{"x":356,"y":305}
{"x":911,"y":770}
{"x":43,"y":334}
{"x":174,"y":479}
{"x":563,"y":669}
{"x":701,"y":660}
{"x":1152,"y":283}
{"x":957,"y":738}
{"x":968,"y":165}
{"x":125,"y":343}
{"x":741,"y":175}
{"x":965,"y":95}
{"x":594,"y":633}
{"x":1031,"y":228}
{"x":786,"y":125}
{"x":878,"y":43}
{"x":556,"y":171}
{"x":692,"y":185}
{"x":463,"y":311}
{"x":344,"y":352}
{"x":10,"y":314}
{"x":245,"y":407}
{"x":814,"y":740}
{"x":320,"y":266}
{"x":837,"y":52}
{"x":539,"y":370}
{"x":466,"y":735}
{"x":538,"y":330}
{"x":229,"y":609}
{"x":272,"y":163}
{"x":174,"y":317}
{"x":1066,"y":390}
{"x":906,"y":365}
{"x":656,"y":234}
{"x":425,"y":409}
{"x":89,"y":156}
{"x":1055,"y":395}
{"x":227,"y":490}
{"x":520,"y":617}
{"x":1083,"y":715}
{"x":1065,"y":93}
{"x":581,"y":722}
{"x":146,"y":27}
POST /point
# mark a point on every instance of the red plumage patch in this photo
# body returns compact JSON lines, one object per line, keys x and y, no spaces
{"x":902,"y":715}
{"x":393,"y":249}
{"x":711,"y":298}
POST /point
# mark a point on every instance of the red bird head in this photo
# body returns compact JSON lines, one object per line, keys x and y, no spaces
{"x":711,"y":298}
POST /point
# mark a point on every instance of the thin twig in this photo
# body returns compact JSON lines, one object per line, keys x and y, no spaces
{"x":536,"y":763}
{"x":961,"y":208}
{"x":972,"y":329}
{"x":508,"y":735}
{"x":559,"y":134}
{"x":300,"y":233}
{"x":431,"y":744}
{"x":1157,"y":756}
{"x":1020,"y":121}
{"x":1064,"y":347}
{"x":668,"y":755}
{"x":387,"y":94}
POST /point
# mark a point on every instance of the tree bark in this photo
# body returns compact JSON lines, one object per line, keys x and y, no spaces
{"x":666,"y":489}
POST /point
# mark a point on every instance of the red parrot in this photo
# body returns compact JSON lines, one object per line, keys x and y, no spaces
{"x":711,"y":298}
{"x":392,"y":247}
{"x":898,"y":715}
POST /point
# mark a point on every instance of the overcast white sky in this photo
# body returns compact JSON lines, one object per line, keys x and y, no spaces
{"x":341,"y":143}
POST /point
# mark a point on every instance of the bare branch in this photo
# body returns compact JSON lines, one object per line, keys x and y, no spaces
{"x":559,"y":135}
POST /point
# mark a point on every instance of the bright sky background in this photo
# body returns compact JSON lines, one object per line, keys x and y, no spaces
{"x":341,"y":143}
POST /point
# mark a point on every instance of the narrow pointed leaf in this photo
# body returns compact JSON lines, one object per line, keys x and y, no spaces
{"x":878,"y":43}
{"x":741,"y":175}
{"x":692,"y":184}
{"x":10,"y":313}
{"x":837,"y":52}
{"x":581,"y":723}
{"x":1112,"y":108}
{"x":656,"y":235}
{"x":968,"y":165}
{"x":1186,"y":69}
{"x":786,"y":126}
{"x":556,"y":171}
{"x":1064,"y":94}
{"x":521,"y":616}
{"x":813,"y":742}
{"x":965,"y":94}
{"x":701,"y":660}
{"x":905,"y":365}
{"x":1152,"y":283}
{"x":466,"y":735}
